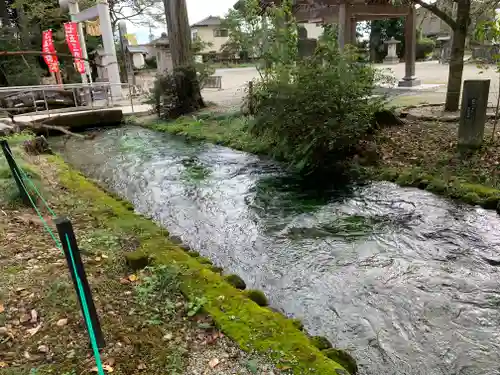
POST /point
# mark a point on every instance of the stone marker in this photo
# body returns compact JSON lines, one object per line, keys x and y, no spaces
{"x":392,"y":57}
{"x":473,"y":113}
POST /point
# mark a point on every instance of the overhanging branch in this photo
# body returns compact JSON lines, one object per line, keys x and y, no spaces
{"x":438,"y":12}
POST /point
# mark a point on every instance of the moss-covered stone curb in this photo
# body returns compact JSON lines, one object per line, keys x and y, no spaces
{"x":253,"y":327}
{"x":453,"y":187}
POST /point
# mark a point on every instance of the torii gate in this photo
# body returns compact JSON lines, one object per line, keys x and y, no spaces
{"x":101,"y":11}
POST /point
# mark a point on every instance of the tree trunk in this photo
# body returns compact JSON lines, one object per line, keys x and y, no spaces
{"x":457,"y":56}
{"x":179,"y":36}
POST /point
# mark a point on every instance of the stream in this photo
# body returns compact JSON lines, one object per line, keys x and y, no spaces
{"x":406,"y":281}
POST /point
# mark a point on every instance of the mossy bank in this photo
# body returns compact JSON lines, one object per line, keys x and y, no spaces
{"x":253,"y":327}
{"x":419,"y":154}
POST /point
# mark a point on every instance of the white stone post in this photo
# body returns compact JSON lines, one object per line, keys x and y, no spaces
{"x":108,"y":42}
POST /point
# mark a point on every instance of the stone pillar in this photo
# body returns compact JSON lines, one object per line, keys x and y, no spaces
{"x":108,"y":42}
{"x":342,"y":22}
{"x":410,"y":79}
{"x":392,"y":56}
{"x":473,"y":113}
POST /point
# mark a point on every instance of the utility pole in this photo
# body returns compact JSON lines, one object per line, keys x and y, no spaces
{"x":179,"y":36}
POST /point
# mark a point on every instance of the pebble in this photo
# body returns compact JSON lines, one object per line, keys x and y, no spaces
{"x":3,"y":331}
{"x":62,"y":322}
{"x":43,"y":348}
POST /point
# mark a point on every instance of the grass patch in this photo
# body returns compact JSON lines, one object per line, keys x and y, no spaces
{"x":222,"y":129}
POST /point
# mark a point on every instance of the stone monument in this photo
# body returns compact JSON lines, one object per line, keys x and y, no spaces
{"x":473,"y":113}
{"x":392,"y":57}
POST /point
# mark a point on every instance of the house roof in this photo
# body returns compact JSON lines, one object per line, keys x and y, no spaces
{"x":209,"y":21}
{"x":137,"y":49}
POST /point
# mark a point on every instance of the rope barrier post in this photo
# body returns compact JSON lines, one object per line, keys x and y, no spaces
{"x":73,"y":257}
{"x":15,"y":172}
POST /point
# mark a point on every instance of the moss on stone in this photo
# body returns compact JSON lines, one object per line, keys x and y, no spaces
{"x":193,"y":254}
{"x":254,"y":328}
{"x":204,"y":260}
{"x":137,"y":260}
{"x":258,"y":297}
{"x":321,"y":342}
{"x":298,"y":324}
{"x":216,"y":269}
{"x":344,"y":358}
{"x":470,"y":197}
{"x":236,"y":281}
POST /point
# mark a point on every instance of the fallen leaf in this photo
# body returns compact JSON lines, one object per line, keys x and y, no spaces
{"x":43,"y":348}
{"x":97,"y":259}
{"x":2,"y":308}
{"x":33,"y":331}
{"x":110,"y":361}
{"x":124,"y":281}
{"x":132,"y":277}
{"x":108,"y":368}
{"x":62,"y":322}
{"x":141,"y":366}
{"x":104,"y":256}
{"x":213,"y":362}
{"x":3,"y":364}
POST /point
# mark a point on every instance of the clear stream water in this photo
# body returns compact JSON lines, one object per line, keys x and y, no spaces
{"x":406,"y":281}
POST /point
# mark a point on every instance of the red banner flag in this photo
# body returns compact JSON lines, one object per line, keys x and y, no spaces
{"x":48,"y":47}
{"x":71,"y":30}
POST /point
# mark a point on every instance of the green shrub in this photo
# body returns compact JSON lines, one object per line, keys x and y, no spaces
{"x":425,"y":47}
{"x":316,"y":117}
{"x":321,"y":342}
{"x":258,"y":297}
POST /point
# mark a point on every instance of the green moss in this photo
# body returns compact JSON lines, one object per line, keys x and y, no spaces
{"x":204,"y":260}
{"x":258,"y":297}
{"x":216,"y":269}
{"x":344,"y":358}
{"x":228,"y":130}
{"x":436,"y":186}
{"x":137,"y":260}
{"x":254,"y":328}
{"x":236,"y":281}
{"x":471,"y":198}
{"x":321,"y":342}
{"x":298,"y":324}
{"x":194,"y":254}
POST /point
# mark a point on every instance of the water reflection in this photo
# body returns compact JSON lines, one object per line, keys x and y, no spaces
{"x":405,"y":280}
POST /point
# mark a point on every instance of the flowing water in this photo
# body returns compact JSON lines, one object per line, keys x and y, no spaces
{"x":407,"y":281}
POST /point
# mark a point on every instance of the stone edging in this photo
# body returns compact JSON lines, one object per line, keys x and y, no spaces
{"x":454,"y":188}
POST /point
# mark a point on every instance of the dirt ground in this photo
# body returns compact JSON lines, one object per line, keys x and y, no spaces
{"x":148,"y":326}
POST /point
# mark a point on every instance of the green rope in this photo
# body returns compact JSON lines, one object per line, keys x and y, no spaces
{"x":86,"y":313}
{"x":26,"y":177}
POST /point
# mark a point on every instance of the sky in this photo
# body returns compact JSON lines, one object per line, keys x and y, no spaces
{"x":197,"y":10}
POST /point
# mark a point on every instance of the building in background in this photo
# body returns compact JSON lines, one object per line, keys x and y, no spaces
{"x":211,"y":32}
